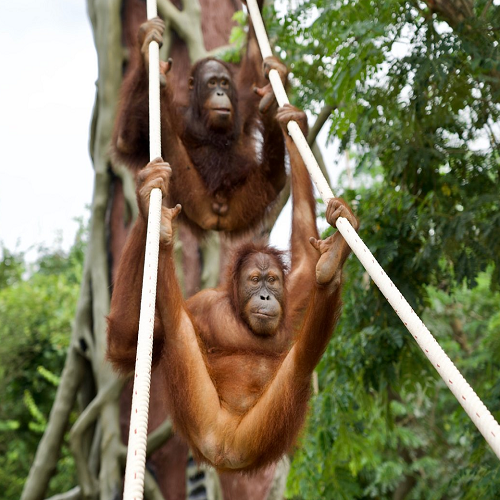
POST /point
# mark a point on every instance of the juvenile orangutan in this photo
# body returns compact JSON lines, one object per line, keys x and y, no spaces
{"x":237,"y":359}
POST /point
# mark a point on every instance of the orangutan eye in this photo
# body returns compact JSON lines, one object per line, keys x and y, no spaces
{"x":271,"y":279}
{"x":255,"y":279}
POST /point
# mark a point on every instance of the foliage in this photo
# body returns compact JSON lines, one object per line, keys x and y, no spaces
{"x":416,"y":101}
{"x":37,"y":307}
{"x":237,"y":39}
{"x":383,"y":415}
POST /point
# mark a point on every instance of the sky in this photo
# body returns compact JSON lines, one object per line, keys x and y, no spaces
{"x":47,"y":91}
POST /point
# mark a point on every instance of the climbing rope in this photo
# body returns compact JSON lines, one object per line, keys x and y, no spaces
{"x":464,"y":393}
{"x":138,"y":430}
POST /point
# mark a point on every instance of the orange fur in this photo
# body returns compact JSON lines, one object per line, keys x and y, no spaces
{"x":207,"y":166}
{"x":237,"y":397}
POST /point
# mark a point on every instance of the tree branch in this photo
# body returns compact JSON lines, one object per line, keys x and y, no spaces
{"x":159,"y":436}
{"x":219,"y":51}
{"x":486,"y":9}
{"x":187,"y":24}
{"x":73,"y":494}
{"x":323,"y":116}
{"x":88,"y":482}
{"x":279,"y":481}
{"x":453,"y":12}
{"x":107,"y":31}
{"x":321,"y":162}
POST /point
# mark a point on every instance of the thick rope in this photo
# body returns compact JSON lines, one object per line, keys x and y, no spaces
{"x":471,"y":403}
{"x":138,"y":430}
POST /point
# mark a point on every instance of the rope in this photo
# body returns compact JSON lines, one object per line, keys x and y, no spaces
{"x":138,"y":430}
{"x":464,"y":393}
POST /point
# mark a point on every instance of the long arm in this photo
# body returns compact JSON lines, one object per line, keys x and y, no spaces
{"x":305,"y":244}
{"x":250,"y":76}
{"x":130,"y":140}
{"x":195,"y":405}
{"x":273,"y":146}
{"x":284,"y":403}
{"x":123,"y":319}
{"x":325,"y":303}
{"x":253,"y":85}
{"x":304,"y":257}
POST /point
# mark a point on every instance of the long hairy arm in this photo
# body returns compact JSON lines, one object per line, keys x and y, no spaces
{"x":123,"y":319}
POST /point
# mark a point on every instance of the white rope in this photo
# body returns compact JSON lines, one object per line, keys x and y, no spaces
{"x":138,"y":430}
{"x":464,"y":393}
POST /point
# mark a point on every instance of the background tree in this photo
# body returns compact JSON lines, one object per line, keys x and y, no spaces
{"x":37,"y":306}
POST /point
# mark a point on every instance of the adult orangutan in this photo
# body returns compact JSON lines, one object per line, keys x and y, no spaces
{"x":237,"y":359}
{"x":225,"y":147}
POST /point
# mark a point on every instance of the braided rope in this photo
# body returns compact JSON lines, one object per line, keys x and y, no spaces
{"x":464,"y":393}
{"x":138,"y":430}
